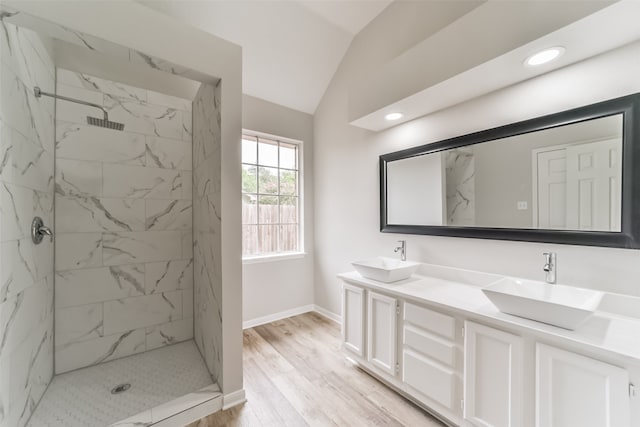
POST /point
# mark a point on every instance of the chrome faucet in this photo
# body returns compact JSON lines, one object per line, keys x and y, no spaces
{"x":403,"y":249}
{"x":550,"y":267}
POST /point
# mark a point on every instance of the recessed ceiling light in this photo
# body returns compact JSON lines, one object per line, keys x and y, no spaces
{"x":393,"y":116}
{"x":544,"y":56}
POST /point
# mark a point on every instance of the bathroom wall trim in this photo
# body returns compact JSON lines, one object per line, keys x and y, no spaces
{"x":248,"y":324}
{"x":327,"y":314}
{"x":277,"y":316}
{"x":273,"y":258}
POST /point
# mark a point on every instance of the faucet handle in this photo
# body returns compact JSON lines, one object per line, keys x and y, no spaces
{"x":402,"y":249}
{"x":550,"y":267}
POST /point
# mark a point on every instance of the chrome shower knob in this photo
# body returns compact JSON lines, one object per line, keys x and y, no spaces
{"x":39,"y":230}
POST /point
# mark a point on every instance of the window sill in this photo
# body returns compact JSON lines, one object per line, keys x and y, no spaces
{"x":273,"y":258}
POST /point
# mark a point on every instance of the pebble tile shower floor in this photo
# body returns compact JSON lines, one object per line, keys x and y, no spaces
{"x":83,"y":398}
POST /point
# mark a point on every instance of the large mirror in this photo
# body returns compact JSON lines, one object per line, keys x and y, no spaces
{"x":562,"y":178}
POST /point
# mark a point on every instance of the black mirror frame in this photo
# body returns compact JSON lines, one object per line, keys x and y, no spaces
{"x":628,"y":237}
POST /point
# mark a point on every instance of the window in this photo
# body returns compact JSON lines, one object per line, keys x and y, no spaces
{"x":270,"y":195}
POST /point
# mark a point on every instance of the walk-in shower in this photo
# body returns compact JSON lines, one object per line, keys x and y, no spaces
{"x":112,"y":312}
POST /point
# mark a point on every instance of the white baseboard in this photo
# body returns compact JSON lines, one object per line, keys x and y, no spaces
{"x":328,"y":314}
{"x":232,"y":399}
{"x":277,"y":316}
{"x":293,"y":312}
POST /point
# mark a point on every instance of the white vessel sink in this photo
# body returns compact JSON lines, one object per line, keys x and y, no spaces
{"x":385,"y":270}
{"x":558,"y":305}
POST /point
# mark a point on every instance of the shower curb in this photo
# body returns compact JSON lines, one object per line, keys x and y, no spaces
{"x":180,"y":411}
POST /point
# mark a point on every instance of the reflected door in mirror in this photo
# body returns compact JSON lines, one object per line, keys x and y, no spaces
{"x":578,"y":187}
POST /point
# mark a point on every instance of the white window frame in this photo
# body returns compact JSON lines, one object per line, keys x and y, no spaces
{"x":281,"y":256}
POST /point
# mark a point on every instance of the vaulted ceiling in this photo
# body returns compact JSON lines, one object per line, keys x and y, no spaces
{"x":291,"y":49}
{"x":433,"y":53}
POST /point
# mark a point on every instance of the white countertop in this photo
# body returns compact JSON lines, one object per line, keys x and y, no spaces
{"x":604,"y":331}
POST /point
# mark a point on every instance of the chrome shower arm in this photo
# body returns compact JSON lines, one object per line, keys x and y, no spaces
{"x":39,"y":93}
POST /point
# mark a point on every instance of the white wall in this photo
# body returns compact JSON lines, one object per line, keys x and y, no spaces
{"x":346,"y":177}
{"x":279,"y":286}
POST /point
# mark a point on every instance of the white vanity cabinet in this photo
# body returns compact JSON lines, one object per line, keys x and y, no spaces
{"x":382,"y":312}
{"x":484,"y":372}
{"x":353,"y":319}
{"x":429,"y":358}
{"x":492,"y":377}
{"x":369,"y":327}
{"x":575,"y":390}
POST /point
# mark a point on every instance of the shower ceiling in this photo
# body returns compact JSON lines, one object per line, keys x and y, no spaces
{"x":98,"y":57}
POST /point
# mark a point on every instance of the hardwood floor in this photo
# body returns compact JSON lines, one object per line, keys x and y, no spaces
{"x":296,"y":375}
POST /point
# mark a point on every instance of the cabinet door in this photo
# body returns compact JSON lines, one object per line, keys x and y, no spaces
{"x":429,"y":378}
{"x":492,"y":377}
{"x":574,"y":390}
{"x":382,"y":332}
{"x":353,"y":319}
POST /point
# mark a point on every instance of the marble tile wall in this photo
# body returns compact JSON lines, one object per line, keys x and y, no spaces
{"x":207,"y":226}
{"x":124,"y":251}
{"x":460,"y":186}
{"x":26,"y":190}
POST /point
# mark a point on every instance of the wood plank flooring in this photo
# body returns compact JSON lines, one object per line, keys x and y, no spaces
{"x":296,"y":375}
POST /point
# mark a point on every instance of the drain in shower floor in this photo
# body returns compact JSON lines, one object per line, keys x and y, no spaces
{"x":120,"y":388}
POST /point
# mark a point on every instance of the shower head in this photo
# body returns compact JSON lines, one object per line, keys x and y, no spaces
{"x":104,"y":123}
{"x":93,"y":121}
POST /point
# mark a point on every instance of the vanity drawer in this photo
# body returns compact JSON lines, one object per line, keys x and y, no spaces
{"x":430,"y":320}
{"x":433,"y":381}
{"x":430,"y":345}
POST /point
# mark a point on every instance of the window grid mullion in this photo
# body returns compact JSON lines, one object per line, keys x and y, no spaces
{"x":298,"y":197}
{"x":258,"y":195}
{"x":285,"y":169}
{"x":278,"y":237}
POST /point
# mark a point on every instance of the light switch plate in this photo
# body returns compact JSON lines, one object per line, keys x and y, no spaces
{"x":522,"y":206}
